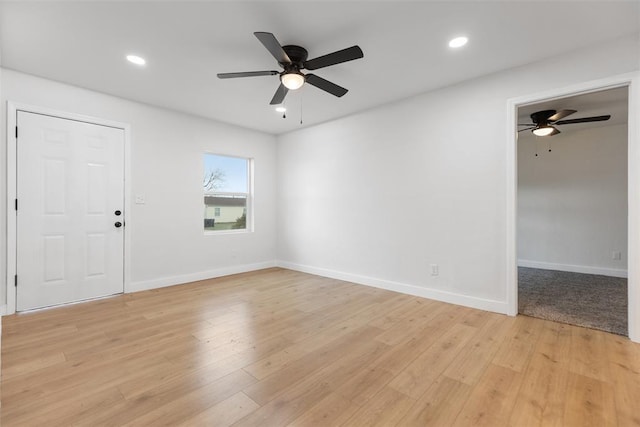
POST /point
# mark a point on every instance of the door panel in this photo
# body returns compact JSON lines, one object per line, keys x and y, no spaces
{"x":70,"y":183}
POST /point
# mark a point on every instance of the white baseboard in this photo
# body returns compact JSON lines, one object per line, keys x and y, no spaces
{"x":145,"y":285}
{"x":434,"y":294}
{"x":603,"y":271}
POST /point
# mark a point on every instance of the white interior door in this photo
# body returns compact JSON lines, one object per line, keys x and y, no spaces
{"x":70,"y":192}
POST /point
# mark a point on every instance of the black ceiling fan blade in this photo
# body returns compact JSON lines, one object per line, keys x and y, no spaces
{"x":278,"y":97}
{"x":338,"y":57}
{"x":247,"y":74}
{"x":273,"y":46}
{"x":522,"y":130}
{"x":560,"y":115}
{"x":584,"y":120}
{"x":325,"y":85}
{"x":555,"y":132}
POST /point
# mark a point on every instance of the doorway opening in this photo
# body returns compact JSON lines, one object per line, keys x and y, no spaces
{"x":630,"y":84}
{"x":572,"y":211}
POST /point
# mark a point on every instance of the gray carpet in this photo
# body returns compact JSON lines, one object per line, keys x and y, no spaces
{"x":589,"y":300}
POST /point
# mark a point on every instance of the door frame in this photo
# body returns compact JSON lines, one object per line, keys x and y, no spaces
{"x":632,"y":82}
{"x":12,"y":158}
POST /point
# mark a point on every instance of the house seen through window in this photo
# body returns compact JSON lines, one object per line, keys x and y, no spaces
{"x":227,"y":192}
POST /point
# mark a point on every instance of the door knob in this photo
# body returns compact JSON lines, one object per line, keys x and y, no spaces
{"x":118,"y":224}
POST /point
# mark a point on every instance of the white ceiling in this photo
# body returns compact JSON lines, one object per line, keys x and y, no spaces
{"x":187,"y":43}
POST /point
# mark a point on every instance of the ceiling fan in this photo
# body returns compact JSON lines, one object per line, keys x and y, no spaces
{"x":545,"y":121}
{"x":293,"y":59}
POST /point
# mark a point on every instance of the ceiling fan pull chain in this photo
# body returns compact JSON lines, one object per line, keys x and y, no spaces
{"x":301,"y":108}
{"x":284,"y":113}
{"x":549,"y":145}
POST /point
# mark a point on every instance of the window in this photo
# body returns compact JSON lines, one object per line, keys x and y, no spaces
{"x":227,"y":193}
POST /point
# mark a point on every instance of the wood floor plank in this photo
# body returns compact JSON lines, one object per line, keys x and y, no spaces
{"x":386,"y":408}
{"x":333,"y":410}
{"x":419,"y":340}
{"x":439,"y":405}
{"x":299,"y":397}
{"x":225,"y":413}
{"x":33,"y":364}
{"x":65,"y":412}
{"x":588,"y":354}
{"x":414,"y":320}
{"x":279,"y":347}
{"x":418,"y":376}
{"x":624,"y":366}
{"x":519,"y":344}
{"x":320,"y":333}
{"x":492,"y":399}
{"x":542,"y":395}
{"x":183,"y":406}
{"x":589,"y":402}
{"x":271,"y":386}
{"x":471,"y":362}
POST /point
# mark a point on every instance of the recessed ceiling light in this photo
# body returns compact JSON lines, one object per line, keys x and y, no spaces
{"x":135,"y":59}
{"x":281,"y":109}
{"x":458,"y":42}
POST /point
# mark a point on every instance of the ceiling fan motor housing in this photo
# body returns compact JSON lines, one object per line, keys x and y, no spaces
{"x":297,"y":54}
{"x":541,"y":117}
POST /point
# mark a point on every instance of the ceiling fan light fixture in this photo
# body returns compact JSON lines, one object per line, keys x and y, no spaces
{"x":543,"y":130}
{"x":281,"y":109}
{"x":292,"y":80}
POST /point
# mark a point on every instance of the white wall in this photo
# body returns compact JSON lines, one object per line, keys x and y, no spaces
{"x":572,"y":201}
{"x":440,"y":154}
{"x":168,"y":242}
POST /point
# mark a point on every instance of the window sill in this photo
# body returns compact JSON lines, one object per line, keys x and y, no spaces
{"x":215,"y":232}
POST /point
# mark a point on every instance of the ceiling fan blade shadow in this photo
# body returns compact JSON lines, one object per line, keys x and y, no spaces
{"x":325,"y":85}
{"x":338,"y":57}
{"x":560,"y":115}
{"x":273,"y":46}
{"x":278,"y":97}
{"x":247,"y":74}
{"x":584,"y":120}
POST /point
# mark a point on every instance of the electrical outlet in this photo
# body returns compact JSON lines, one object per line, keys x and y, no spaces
{"x":435,"y":270}
{"x":616,"y":255}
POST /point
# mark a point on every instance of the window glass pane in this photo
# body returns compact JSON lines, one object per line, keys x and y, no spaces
{"x":225,"y":212}
{"x":226,"y":192}
{"x":224,"y":173}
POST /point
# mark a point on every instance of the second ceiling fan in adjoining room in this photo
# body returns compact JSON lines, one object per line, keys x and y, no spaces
{"x":545,"y":121}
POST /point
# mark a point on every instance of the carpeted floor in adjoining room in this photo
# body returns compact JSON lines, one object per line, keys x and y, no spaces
{"x":589,"y":300}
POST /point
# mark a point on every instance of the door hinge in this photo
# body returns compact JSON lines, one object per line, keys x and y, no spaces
{"x":16,"y":132}
{"x":15,"y":280}
{"x":16,"y":204}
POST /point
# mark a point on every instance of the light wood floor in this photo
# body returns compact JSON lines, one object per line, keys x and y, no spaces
{"x":278,"y":348}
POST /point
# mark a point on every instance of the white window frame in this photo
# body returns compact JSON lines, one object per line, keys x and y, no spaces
{"x":248,"y":195}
